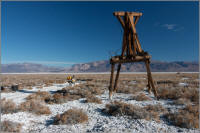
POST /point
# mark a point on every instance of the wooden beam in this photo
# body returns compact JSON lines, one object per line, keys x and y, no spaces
{"x":127,"y":32}
{"x":135,"y":48}
{"x":136,"y":19}
{"x":117,"y":77}
{"x":132,"y":24}
{"x":134,"y":59}
{"x":121,"y":21}
{"x":124,"y":44}
{"x":147,"y":62}
{"x":111,"y":80}
{"x":138,"y":44}
{"x":129,"y":13}
{"x":130,"y":45}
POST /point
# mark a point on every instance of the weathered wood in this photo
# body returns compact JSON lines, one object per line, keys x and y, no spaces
{"x":127,"y":31}
{"x":136,"y":19}
{"x":138,"y":44}
{"x":117,"y":77}
{"x":121,"y":21}
{"x":135,"y":48}
{"x":131,"y":50}
{"x":132,"y":24}
{"x":147,"y":62}
{"x":111,"y":80}
{"x":129,"y":13}
{"x":134,"y":58}
{"x":130,"y":45}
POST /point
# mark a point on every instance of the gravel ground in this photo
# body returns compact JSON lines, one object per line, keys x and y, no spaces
{"x":98,"y":122}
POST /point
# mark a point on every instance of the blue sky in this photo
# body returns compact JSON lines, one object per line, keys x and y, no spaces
{"x":64,"y":33}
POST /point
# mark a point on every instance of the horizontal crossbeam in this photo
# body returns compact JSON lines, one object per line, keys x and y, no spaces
{"x":129,"y":13}
{"x":125,"y":59}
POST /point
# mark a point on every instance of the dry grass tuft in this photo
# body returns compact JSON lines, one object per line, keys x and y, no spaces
{"x":72,"y":116}
{"x":156,"y":108}
{"x":40,"y":95}
{"x":59,"y":98}
{"x":140,"y":97}
{"x":8,"y":106}
{"x":136,"y":112}
{"x":35,"y":107}
{"x":9,"y":126}
{"x":185,"y":118}
{"x":93,"y":99}
{"x":75,"y":93}
{"x":179,"y":92}
{"x":181,"y":101}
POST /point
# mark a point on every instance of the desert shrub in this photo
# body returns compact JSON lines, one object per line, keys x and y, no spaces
{"x":135,"y":112}
{"x":192,"y":94}
{"x":40,"y":95}
{"x":93,"y":99}
{"x":59,"y":98}
{"x":167,"y":93}
{"x":74,"y":93}
{"x":72,"y":116}
{"x":29,"y":88}
{"x":9,"y":126}
{"x":181,"y":101}
{"x":35,"y":107}
{"x":127,"y":88}
{"x":140,"y":97}
{"x":8,"y":106}
{"x":185,"y":118}
{"x":96,"y":90}
{"x":179,"y":92}
{"x":156,"y":108}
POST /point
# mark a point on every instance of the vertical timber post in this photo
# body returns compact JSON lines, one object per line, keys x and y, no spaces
{"x":150,"y":79}
{"x":117,"y":77}
{"x":111,"y":80}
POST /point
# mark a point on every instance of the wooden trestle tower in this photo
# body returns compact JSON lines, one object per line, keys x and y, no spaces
{"x":131,"y":50}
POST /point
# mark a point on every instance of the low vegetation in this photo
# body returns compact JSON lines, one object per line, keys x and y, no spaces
{"x":119,"y":109}
{"x":9,"y":126}
{"x":140,"y":97}
{"x":156,"y":108}
{"x":72,"y":116}
{"x":93,"y":99}
{"x":181,"y":101}
{"x":179,"y":92}
{"x":40,"y":96}
{"x":35,"y":106}
{"x":74,"y":93}
{"x":187,"y":117}
{"x":8,"y":106}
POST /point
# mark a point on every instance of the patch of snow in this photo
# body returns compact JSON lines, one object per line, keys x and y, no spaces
{"x":98,"y":121}
{"x":183,"y":84}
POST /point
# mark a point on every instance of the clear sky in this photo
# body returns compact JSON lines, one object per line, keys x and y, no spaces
{"x":63,"y":33}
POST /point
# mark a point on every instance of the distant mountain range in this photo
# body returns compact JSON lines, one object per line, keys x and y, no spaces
{"x":103,"y":66}
{"x":28,"y":68}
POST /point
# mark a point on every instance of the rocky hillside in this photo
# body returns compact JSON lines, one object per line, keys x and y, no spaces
{"x":28,"y":68}
{"x":103,"y":66}
{"x":156,"y":66}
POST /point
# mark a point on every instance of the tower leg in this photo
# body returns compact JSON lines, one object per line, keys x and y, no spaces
{"x":150,"y":79}
{"x":148,"y":85}
{"x":117,"y":77}
{"x":111,"y":80}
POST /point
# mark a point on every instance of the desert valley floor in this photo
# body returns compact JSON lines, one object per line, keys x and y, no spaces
{"x":42,"y":100}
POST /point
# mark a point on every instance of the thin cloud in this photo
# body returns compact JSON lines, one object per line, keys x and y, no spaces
{"x":178,"y":29}
{"x":169,"y":26}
